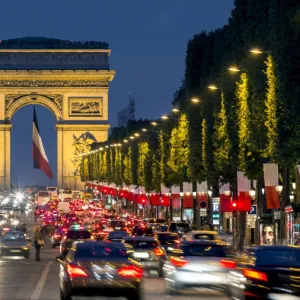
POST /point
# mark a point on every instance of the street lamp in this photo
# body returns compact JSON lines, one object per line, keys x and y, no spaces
{"x":137,"y":134}
{"x":279,"y":188}
{"x":154,"y":123}
{"x":175,"y":110}
{"x":144,"y":129}
{"x":213,"y":87}
{"x":164,"y":117}
{"x":195,"y":100}
{"x":256,"y":51}
{"x":131,"y":137}
{"x":125,"y":141}
{"x":234,"y":69}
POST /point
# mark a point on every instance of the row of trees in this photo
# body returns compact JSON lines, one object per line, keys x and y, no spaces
{"x":253,"y":116}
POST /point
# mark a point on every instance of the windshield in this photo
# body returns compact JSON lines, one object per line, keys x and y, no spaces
{"x":167,"y":237}
{"x":202,"y":250}
{"x":142,"y":244}
{"x":14,"y":236}
{"x":43,"y":194}
{"x":143,"y":231}
{"x":117,"y":223}
{"x":201,"y":236}
{"x":278,"y":257}
{"x":67,"y":192}
{"x":78,"y":234}
{"x":118,"y":235}
{"x":51,"y":189}
{"x":94,"y":251}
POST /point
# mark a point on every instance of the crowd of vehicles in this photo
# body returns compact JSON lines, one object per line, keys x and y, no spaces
{"x":105,"y":253}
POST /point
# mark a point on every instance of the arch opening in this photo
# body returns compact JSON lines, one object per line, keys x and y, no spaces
{"x":22,"y":170}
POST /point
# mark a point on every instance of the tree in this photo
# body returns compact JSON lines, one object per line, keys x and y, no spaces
{"x":271,"y":109}
{"x":178,"y":161}
{"x":143,"y":152}
{"x":242,"y":95}
{"x":204,"y":146}
{"x":118,"y":167}
{"x":127,"y":170}
{"x":222,"y":144}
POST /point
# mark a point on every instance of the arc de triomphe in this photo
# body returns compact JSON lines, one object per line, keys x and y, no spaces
{"x":69,"y":78}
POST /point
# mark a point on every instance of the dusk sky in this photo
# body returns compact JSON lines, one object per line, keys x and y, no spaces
{"x":148,"y":41}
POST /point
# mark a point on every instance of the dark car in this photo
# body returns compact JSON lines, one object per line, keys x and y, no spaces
{"x":73,"y":234}
{"x":148,"y":252}
{"x":267,"y":272}
{"x":57,"y":236}
{"x":180,"y":228}
{"x":118,"y":225}
{"x":168,"y":240}
{"x":117,"y":236}
{"x":100,"y":269}
{"x":14,"y":243}
{"x":142,"y":230}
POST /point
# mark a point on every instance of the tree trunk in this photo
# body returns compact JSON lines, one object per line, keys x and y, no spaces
{"x":241,"y":224}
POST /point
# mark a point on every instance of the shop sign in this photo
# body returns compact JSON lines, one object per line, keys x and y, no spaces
{"x":253,"y":210}
{"x":277,"y":214}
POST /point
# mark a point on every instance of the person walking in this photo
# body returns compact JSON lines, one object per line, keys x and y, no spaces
{"x":38,"y":242}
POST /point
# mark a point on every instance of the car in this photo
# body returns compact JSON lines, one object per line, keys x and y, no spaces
{"x":74,"y":233}
{"x":118,"y":225}
{"x":267,"y":272}
{"x":14,"y":243}
{"x":57,"y":236}
{"x":202,"y":264}
{"x":117,"y":236}
{"x":181,"y":228}
{"x":142,"y":230}
{"x":148,"y":252}
{"x":103,"y":268}
{"x":168,"y":240}
{"x":208,"y":235}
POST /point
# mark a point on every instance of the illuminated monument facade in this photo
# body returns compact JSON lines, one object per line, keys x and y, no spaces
{"x":71,"y":79}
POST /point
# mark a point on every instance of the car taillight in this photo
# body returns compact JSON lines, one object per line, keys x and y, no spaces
{"x":228,"y":264}
{"x":131,"y":272}
{"x":178,"y":262}
{"x":75,"y":272}
{"x":177,"y":241}
{"x":158,"y":252}
{"x":253,"y":274}
{"x":57,"y":235}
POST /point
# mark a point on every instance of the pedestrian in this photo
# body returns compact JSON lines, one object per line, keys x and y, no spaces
{"x":38,"y":242}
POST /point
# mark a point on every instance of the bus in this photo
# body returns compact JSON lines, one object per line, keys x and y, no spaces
{"x":42,"y":198}
{"x":52,"y":190}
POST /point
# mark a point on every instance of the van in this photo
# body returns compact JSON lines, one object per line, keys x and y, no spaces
{"x":42,"y":198}
{"x":65,"y":195}
{"x":52,"y":190}
{"x":63,"y":207}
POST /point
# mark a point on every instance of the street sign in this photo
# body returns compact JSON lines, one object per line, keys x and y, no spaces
{"x":277,"y":214}
{"x":253,"y":210}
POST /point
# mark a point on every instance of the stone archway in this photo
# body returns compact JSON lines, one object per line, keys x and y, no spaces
{"x":72,"y":83}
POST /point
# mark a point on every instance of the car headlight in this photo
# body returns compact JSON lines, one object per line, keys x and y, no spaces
{"x":25,"y":248}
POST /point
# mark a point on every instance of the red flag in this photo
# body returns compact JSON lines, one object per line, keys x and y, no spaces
{"x":40,"y":160}
{"x":244,"y":187}
{"x":271,"y":181}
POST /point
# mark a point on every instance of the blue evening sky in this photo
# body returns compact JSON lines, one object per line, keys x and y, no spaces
{"x":148,"y":41}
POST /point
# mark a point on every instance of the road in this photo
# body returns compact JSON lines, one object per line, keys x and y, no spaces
{"x":25,"y":279}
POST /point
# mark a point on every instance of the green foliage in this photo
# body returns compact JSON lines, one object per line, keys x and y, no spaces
{"x":242,"y":95}
{"x":118,"y":167}
{"x":127,"y":167}
{"x":204,"y":146}
{"x":143,"y":153}
{"x":222,"y":144}
{"x":271,"y":109}
{"x":178,"y":161}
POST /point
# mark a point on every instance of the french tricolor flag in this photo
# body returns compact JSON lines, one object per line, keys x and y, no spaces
{"x":40,"y":160}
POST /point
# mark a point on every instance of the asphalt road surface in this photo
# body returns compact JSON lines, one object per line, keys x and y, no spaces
{"x":25,"y":279}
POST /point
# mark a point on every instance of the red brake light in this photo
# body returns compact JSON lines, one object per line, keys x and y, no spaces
{"x":177,"y":241}
{"x":131,"y":272}
{"x":159,"y":252}
{"x":75,"y":272}
{"x":255,"y":275}
{"x":228,"y":264}
{"x":178,"y":262}
{"x":57,"y":235}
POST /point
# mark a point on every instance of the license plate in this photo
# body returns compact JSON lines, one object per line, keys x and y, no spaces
{"x":153,"y":272}
{"x":118,"y":228}
{"x":15,"y":251}
{"x":141,"y":255}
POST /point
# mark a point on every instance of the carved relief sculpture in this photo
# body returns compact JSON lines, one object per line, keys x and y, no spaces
{"x":81,"y":144}
{"x":86,"y":106}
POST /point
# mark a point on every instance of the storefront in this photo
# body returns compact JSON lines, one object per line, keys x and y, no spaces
{"x":292,"y":225}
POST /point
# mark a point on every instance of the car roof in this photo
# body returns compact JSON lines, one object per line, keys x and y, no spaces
{"x":140,"y":238}
{"x":201,"y":242}
{"x":204,"y":232}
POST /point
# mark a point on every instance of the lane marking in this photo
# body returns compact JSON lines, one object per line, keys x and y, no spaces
{"x":39,"y":288}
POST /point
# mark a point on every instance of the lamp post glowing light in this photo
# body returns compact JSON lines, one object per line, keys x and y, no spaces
{"x":213,"y":87}
{"x":195,"y":100}
{"x":164,"y":117}
{"x":234,"y":69}
{"x":125,"y":141}
{"x":131,"y":137}
{"x":154,"y":123}
{"x":175,"y":110}
{"x":144,"y":129}
{"x":137,"y":134}
{"x":256,"y":51}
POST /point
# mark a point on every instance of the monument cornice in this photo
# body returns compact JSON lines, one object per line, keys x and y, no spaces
{"x":58,"y":78}
{"x":80,"y":127}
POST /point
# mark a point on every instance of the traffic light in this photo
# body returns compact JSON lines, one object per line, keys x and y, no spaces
{"x":234,"y":205}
